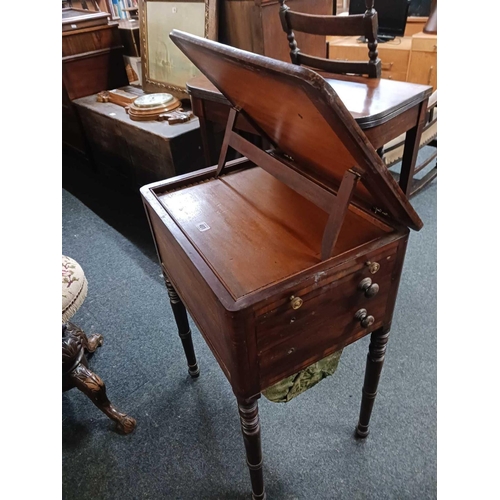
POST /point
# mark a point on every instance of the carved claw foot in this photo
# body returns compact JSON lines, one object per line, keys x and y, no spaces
{"x":90,"y":343}
{"x":94,"y":341}
{"x":93,"y":386}
{"x":126,"y":425}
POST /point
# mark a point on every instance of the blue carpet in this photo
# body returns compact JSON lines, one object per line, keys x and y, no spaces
{"x":188,"y":444}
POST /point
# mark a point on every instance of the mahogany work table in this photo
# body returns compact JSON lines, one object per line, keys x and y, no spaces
{"x":287,"y":255}
{"x":384,"y":109}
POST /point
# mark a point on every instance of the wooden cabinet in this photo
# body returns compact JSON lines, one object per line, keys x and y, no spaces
{"x":395,"y":54}
{"x":91,"y":61}
{"x":423,"y":60}
{"x":254,"y":25}
{"x":407,"y":59}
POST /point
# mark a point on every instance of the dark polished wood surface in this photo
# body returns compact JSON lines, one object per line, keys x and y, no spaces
{"x":305,"y":98}
{"x":252,"y":207}
{"x":371,"y":101}
{"x":242,"y":243}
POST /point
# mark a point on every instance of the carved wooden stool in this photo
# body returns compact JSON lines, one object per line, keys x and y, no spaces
{"x":75,"y":370}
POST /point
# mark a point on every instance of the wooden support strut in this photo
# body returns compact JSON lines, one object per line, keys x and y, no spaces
{"x":336,"y":205}
{"x":338,"y":213}
{"x":225,"y":143}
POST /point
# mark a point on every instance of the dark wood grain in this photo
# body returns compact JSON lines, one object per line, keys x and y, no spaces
{"x":92,"y":60}
{"x":322,"y":126}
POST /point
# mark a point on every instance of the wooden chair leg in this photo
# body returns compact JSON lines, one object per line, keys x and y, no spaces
{"x":374,"y":363}
{"x":93,"y":386}
{"x":250,"y":426}
{"x":183,"y":328}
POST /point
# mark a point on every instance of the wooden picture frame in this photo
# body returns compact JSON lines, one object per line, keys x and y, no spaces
{"x":164,"y":67}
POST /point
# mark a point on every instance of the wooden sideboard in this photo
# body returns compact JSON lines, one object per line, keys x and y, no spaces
{"x":407,"y":59}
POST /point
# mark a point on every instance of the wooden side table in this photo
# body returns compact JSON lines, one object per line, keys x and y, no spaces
{"x":287,"y":255}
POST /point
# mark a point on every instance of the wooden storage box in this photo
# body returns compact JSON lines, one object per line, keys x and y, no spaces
{"x":137,"y":152}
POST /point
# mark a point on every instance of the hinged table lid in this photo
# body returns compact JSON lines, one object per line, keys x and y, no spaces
{"x":302,"y":116}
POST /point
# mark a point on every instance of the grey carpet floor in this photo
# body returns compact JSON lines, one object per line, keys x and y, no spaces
{"x":187,"y":444}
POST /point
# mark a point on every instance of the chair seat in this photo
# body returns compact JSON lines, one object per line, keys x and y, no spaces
{"x":74,"y":287}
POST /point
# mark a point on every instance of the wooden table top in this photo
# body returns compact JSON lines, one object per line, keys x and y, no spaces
{"x":271,"y":231}
{"x":371,"y":101}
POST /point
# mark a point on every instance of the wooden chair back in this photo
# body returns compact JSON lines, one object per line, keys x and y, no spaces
{"x":299,"y":113}
{"x":355,"y":25}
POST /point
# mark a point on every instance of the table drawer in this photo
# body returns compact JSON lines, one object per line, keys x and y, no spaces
{"x":289,"y":339}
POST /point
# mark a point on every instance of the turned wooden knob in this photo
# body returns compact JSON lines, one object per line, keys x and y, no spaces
{"x":296,"y":302}
{"x":364,"y":319}
{"x":370,"y":289}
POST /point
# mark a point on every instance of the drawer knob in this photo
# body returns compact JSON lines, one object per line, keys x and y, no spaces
{"x":368,"y":288}
{"x":373,"y":267}
{"x":296,"y":302}
{"x":364,"y":319}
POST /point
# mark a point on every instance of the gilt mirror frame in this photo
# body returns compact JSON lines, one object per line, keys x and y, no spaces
{"x":203,"y":23}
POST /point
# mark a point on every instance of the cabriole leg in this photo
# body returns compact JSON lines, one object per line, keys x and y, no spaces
{"x":250,"y":426}
{"x":374,"y":363}
{"x":182,"y":322}
{"x":93,"y":386}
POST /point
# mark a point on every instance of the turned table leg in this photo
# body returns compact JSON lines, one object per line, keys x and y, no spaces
{"x":183,"y":328}
{"x":250,"y":426}
{"x":374,"y":364}
{"x":93,"y":386}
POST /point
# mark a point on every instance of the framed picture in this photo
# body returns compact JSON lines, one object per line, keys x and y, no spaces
{"x":164,"y":67}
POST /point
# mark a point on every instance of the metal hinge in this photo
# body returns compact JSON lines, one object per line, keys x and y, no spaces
{"x":379,"y":211}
